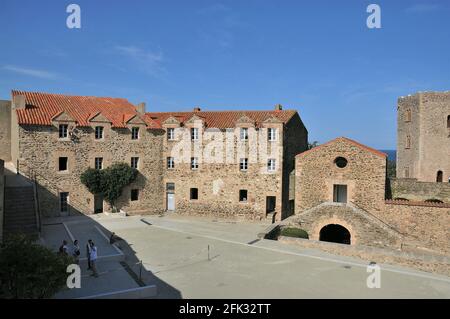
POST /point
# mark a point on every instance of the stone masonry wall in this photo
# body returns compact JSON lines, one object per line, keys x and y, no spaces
{"x":316,"y":173}
{"x":40,"y":147}
{"x":414,"y":190}
{"x":424,"y":227}
{"x":218,"y":183}
{"x":429,"y":135}
{"x":434,"y":136}
{"x":408,"y":158}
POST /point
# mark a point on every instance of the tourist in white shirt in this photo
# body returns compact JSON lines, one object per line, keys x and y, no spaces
{"x":93,"y":256}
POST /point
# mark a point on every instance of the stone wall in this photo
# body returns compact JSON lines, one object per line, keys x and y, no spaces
{"x":219,"y":182}
{"x":316,"y":173}
{"x":364,"y":228}
{"x":219,"y":178}
{"x":414,"y":190}
{"x":429,"y":134}
{"x":5,"y":130}
{"x":424,"y":227}
{"x":2,"y":197}
{"x":408,"y":157}
{"x":40,"y":148}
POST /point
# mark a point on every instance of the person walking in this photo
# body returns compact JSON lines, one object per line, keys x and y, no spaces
{"x":94,"y":259}
{"x":76,"y":251}
{"x":63,"y":248}
{"x":88,"y":253}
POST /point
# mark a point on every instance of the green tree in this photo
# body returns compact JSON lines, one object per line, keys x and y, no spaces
{"x":110,"y":181}
{"x":29,"y":270}
{"x":391,"y":169}
{"x":312,"y":144}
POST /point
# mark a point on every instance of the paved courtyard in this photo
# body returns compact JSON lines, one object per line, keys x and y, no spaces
{"x":174,"y":250}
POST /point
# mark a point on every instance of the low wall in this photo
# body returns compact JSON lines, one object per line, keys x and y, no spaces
{"x":413,"y":190}
{"x":424,"y":262}
{"x":425,"y":226}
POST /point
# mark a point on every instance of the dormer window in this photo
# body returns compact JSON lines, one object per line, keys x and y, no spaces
{"x":170,"y":134}
{"x":194,"y":134}
{"x":272,"y":134}
{"x":99,"y":132}
{"x":63,"y":129}
{"x":244,"y":134}
{"x":135,"y":133}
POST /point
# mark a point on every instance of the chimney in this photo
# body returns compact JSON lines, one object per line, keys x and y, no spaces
{"x":18,"y":101}
{"x":197,"y":109}
{"x":141,"y":108}
{"x":278,"y":107}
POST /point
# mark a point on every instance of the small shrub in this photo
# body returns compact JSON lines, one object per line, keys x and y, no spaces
{"x":29,"y":270}
{"x":294,"y":232}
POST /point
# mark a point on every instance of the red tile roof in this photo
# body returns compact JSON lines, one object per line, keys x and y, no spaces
{"x":222,"y":119}
{"x":362,"y":146}
{"x":41,"y":108}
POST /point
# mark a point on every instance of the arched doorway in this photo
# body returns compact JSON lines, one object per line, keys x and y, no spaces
{"x":335,"y":234}
{"x":439,"y":177}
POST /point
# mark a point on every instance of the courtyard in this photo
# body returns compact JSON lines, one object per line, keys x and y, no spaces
{"x":193,"y":257}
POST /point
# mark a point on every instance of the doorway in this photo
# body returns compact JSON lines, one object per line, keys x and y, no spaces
{"x":439,"y":177}
{"x":271,"y":202}
{"x":98,"y":204}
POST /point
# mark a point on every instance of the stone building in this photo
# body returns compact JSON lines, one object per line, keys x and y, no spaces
{"x":423,"y":137}
{"x":223,"y":163}
{"x":340,"y":196}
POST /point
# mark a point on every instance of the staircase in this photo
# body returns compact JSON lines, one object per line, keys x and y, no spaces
{"x":19,"y":206}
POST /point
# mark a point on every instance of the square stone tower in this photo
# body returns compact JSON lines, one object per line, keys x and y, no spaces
{"x":423,"y":137}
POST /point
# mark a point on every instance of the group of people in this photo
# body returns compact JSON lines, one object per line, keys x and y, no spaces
{"x":75,"y":251}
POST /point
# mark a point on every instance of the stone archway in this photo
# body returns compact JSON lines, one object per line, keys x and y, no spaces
{"x":335,"y":233}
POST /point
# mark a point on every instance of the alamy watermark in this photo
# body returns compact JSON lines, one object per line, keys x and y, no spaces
{"x":374,"y":279}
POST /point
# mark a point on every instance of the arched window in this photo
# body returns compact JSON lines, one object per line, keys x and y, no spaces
{"x":439,"y":177}
{"x":408,"y":116}
{"x":408,"y":141}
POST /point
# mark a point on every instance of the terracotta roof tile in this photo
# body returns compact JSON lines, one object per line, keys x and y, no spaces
{"x":222,"y":119}
{"x":41,"y":108}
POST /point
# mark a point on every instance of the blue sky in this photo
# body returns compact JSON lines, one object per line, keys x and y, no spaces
{"x":314,"y":56}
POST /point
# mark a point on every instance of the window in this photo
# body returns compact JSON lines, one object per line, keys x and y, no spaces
{"x":170,"y":163}
{"x":63,"y":128}
{"x":408,"y":141}
{"x":62,"y":164}
{"x":194,"y":134}
{"x":170,"y":187}
{"x":134,"y":195}
{"x":272,"y":134}
{"x":64,"y":202}
{"x":408,"y":116}
{"x":194,"y":194}
{"x":135,"y":133}
{"x":439,"y":177}
{"x":243,"y":195}
{"x":244,"y":134}
{"x":340,"y":193}
{"x":98,"y":132}
{"x":448,"y":122}
{"x":243,"y":164}
{"x":407,"y":172}
{"x":340,"y":162}
{"x":271,"y":165}
{"x":170,"y":134}
{"x":194,"y":163}
{"x":135,"y":162}
{"x":99,"y":163}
